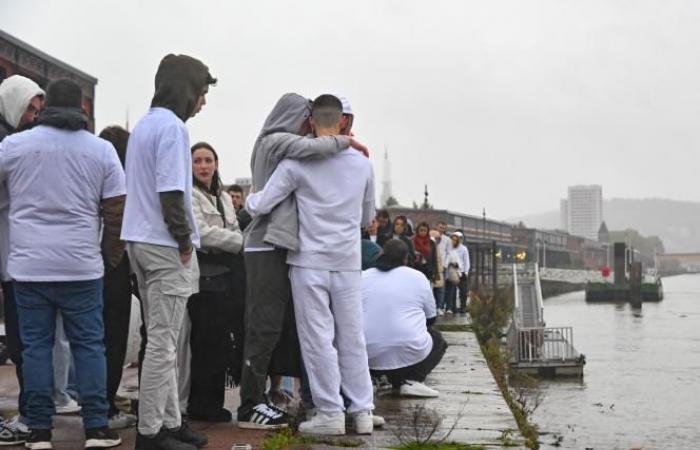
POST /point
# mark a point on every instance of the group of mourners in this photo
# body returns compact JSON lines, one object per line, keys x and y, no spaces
{"x":232,"y":290}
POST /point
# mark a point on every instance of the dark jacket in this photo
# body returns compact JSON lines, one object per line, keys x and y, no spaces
{"x":370,"y":253}
{"x":5,"y":128}
{"x":429,"y":267}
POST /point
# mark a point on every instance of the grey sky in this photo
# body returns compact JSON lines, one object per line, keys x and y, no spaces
{"x":496,"y":104}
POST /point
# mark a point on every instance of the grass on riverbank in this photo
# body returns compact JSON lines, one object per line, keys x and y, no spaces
{"x":490,"y":315}
{"x":286,"y":438}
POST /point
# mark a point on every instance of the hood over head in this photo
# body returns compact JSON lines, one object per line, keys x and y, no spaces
{"x":15,"y":94}
{"x":288,"y":115}
{"x":180,"y":80}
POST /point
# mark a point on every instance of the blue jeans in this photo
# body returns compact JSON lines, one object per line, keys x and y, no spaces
{"x":80,"y":304}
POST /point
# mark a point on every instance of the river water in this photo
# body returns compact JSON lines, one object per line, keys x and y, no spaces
{"x":641,"y":385}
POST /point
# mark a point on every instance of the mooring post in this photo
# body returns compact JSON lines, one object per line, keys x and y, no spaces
{"x":636,"y":284}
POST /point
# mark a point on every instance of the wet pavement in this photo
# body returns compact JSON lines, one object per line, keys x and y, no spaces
{"x":470,"y":408}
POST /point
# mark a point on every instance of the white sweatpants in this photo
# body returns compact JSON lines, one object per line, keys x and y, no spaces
{"x":328,"y":309}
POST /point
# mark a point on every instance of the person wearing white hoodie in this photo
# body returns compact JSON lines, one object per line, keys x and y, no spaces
{"x":335,"y":197}
{"x":21,"y":99}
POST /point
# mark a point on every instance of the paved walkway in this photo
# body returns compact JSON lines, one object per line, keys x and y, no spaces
{"x":469,"y":400}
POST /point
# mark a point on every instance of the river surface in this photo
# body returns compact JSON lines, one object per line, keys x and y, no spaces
{"x":641,"y":385}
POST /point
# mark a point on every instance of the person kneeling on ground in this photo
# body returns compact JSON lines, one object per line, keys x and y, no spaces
{"x":399,"y":309}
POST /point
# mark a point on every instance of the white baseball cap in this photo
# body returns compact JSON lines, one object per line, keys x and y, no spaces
{"x":347,"y":109}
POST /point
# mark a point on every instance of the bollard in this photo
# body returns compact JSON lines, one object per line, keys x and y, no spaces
{"x":636,"y":284}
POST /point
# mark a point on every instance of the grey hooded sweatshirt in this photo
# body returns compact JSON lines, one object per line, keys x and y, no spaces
{"x":279,"y":139}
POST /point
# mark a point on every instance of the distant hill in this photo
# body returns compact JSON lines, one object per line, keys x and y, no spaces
{"x":677,"y":223}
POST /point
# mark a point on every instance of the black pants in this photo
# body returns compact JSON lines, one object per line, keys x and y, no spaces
{"x":420,"y":370}
{"x":116,"y":315}
{"x":268,"y":303}
{"x":213,"y":315}
{"x":14,"y":343}
{"x":463,"y":292}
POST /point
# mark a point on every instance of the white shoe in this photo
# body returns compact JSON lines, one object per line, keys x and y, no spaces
{"x":440,"y":312}
{"x":325,"y":424}
{"x":449,"y":311}
{"x":16,"y":424}
{"x":71,"y":407}
{"x":363,"y":422}
{"x":411,"y":388}
{"x":378,"y":421}
{"x":121,"y":420}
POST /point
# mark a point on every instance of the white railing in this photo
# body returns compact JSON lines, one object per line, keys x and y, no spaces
{"x":538,"y":290}
{"x":516,"y":296}
{"x":542,"y":344}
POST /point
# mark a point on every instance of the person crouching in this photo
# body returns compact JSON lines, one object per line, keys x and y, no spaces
{"x":399,"y":309}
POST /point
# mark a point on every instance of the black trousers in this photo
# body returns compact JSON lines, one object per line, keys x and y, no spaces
{"x":116,"y":315}
{"x":14,"y":343}
{"x":463,"y":292}
{"x":268,"y":309}
{"x":420,"y":370}
{"x":213,"y":316}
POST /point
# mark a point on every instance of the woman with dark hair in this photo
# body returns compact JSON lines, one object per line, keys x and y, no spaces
{"x":399,"y":232}
{"x":426,"y":252}
{"x":216,"y":312}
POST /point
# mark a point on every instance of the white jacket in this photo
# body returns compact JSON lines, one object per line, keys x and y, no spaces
{"x":214,"y":233}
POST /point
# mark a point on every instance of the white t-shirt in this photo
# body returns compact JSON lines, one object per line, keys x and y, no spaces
{"x":55,"y":180}
{"x":396,"y":305}
{"x":158,"y":159}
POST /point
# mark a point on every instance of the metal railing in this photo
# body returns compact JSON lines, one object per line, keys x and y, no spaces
{"x":542,"y":344}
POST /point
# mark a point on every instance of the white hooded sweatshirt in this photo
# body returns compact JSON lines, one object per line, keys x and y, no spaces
{"x":15,"y":94}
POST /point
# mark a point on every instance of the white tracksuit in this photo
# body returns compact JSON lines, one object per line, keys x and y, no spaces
{"x":335,"y":197}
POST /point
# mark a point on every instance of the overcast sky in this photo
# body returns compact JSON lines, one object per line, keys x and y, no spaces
{"x":495,"y":104}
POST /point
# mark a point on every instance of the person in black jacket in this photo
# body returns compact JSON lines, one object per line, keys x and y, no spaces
{"x":425,"y":251}
{"x":399,"y":232}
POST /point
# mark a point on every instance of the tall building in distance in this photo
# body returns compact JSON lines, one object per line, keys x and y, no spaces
{"x":584,"y":210}
{"x":386,"y":179}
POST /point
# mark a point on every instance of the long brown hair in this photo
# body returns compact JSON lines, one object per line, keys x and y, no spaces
{"x":216,"y":184}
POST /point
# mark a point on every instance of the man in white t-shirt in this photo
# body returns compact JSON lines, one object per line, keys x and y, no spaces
{"x":65,"y":186}
{"x":161,"y":234}
{"x":398,"y":307}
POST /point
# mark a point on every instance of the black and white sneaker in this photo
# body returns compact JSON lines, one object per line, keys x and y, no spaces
{"x":12,"y":432}
{"x":39,"y":440}
{"x":264,"y":417}
{"x":101,"y":438}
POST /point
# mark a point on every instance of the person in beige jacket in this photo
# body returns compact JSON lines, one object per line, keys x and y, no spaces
{"x":216,"y":312}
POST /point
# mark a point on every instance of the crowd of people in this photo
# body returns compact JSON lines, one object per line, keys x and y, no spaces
{"x":232,"y":290}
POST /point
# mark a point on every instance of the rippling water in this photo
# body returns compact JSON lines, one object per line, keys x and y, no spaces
{"x":641,"y":386}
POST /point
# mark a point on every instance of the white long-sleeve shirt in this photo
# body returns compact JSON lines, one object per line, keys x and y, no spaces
{"x":335,"y":197}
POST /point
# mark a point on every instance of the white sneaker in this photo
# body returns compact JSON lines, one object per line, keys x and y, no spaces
{"x":440,"y":312}
{"x":449,"y":311}
{"x":325,"y":424}
{"x":411,"y":388}
{"x":121,"y":420}
{"x":16,"y":424}
{"x":363,"y":422}
{"x":71,"y":407}
{"x":378,"y":421}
